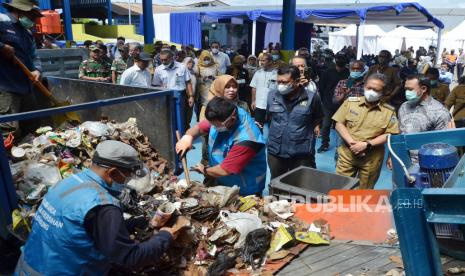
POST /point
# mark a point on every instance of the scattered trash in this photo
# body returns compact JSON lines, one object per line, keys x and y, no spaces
{"x":397,"y":260}
{"x":280,"y":238}
{"x":395,"y":272}
{"x":456,"y":270}
{"x":221,"y":195}
{"x":224,"y":261}
{"x":163,"y":214}
{"x":281,"y":208}
{"x":281,"y":254}
{"x":220,"y":231}
{"x":244,"y":223}
{"x":392,"y":238}
{"x":314,"y":238}
{"x":256,"y":245}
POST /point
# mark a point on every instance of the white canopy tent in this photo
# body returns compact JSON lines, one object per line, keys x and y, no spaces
{"x":405,"y":37}
{"x":348,"y":37}
{"x":455,"y":38}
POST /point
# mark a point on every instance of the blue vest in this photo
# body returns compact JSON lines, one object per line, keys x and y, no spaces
{"x":58,"y":243}
{"x":251,"y":179}
{"x":291,"y":133}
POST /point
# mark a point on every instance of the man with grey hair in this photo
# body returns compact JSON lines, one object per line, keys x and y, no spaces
{"x":364,"y":123}
{"x":79,"y":226}
{"x":175,"y":76}
{"x":135,"y":49}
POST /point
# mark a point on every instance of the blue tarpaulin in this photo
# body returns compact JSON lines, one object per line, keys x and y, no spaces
{"x":401,"y":13}
{"x":185,"y":28}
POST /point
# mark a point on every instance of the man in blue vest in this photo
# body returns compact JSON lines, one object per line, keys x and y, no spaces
{"x":79,"y":228}
{"x":236,"y":148}
{"x":295,"y":112}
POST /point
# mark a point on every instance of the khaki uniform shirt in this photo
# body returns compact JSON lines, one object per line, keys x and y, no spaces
{"x":364,"y":122}
{"x":119,"y":66}
{"x":457,"y":99}
{"x":440,"y":92}
{"x":94,"y":69}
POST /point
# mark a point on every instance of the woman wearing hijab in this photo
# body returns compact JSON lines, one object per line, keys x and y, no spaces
{"x":227,"y":87}
{"x":251,"y":66}
{"x":206,"y":72}
{"x":241,"y":75}
{"x":189,"y":63}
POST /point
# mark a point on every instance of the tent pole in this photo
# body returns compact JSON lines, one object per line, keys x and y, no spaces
{"x":361,"y":37}
{"x":149,"y":28}
{"x":129,"y":12}
{"x":67,"y":22}
{"x":357,"y":34}
{"x":254,"y":36}
{"x":288,"y":29}
{"x":438,"y":47}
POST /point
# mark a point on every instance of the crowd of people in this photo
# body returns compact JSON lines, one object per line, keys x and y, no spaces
{"x":363,"y":100}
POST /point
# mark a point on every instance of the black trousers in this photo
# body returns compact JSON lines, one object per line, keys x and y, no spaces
{"x":279,"y":165}
{"x":326,"y":125}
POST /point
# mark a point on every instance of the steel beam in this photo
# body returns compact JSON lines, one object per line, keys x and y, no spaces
{"x":149,"y":29}
{"x":420,"y":252}
{"x":67,"y":22}
{"x":288,"y":28}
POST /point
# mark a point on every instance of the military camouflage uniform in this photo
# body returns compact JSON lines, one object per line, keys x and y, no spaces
{"x":119,"y":66}
{"x":94,"y":69}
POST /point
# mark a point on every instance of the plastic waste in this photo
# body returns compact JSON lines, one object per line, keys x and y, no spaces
{"x":280,"y":238}
{"x":96,"y":129}
{"x":310,"y":238}
{"x":244,"y":223}
{"x":142,"y":184}
{"x":40,"y":173}
{"x":224,"y":262}
{"x":221,"y":195}
{"x":256,"y":245}
{"x":281,"y":208}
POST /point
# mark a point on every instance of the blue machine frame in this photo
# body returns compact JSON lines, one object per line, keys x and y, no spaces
{"x":8,"y":200}
{"x":416,"y":210}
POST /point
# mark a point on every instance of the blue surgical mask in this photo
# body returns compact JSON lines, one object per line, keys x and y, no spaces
{"x":434,"y":82}
{"x":26,"y":22}
{"x":356,"y":74}
{"x":275,"y":57}
{"x":411,"y":96}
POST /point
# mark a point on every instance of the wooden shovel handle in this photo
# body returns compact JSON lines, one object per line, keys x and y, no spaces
{"x":36,"y":83}
{"x":184,"y":162}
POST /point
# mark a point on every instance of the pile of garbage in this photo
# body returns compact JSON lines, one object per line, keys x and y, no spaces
{"x":226,"y":233}
{"x":42,"y":159}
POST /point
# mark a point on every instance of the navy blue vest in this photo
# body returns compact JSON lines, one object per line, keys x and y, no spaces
{"x":291,"y":133}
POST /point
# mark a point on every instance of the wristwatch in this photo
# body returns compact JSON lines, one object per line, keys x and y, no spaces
{"x":369,"y":145}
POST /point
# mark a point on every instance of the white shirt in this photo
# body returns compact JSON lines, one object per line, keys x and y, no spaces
{"x":136,"y":77}
{"x":264,"y":82}
{"x":223,"y":61}
{"x":172,"y":78}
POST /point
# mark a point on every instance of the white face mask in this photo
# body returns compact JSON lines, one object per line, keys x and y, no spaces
{"x":371,"y":96}
{"x":207,"y":62}
{"x":215,"y":51}
{"x":284,"y":89}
